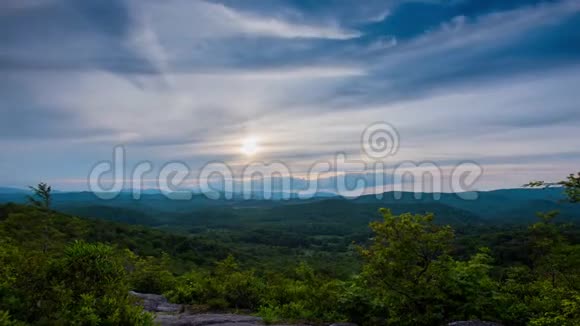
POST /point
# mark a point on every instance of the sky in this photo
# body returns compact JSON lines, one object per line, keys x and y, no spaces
{"x":493,"y":82}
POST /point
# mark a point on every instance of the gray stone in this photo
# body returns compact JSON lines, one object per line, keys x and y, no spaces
{"x":207,"y":319}
{"x":156,"y":303}
{"x":473,"y":323}
{"x":171,"y":314}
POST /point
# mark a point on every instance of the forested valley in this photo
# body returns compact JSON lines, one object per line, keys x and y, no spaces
{"x":402,"y":268}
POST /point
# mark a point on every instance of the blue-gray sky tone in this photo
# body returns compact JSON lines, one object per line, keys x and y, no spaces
{"x":491,"y":81}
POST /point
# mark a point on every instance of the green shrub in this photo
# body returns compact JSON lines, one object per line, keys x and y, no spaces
{"x":151,"y":274}
{"x":86,"y":286}
{"x":227,"y":287}
{"x":89,"y":285}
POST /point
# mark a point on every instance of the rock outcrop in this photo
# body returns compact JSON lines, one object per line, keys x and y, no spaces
{"x":157,"y":303}
{"x":473,"y":323}
{"x":171,"y":314}
{"x":207,"y":319}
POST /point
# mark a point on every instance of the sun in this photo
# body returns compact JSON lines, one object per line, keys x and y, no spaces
{"x":249,"y":146}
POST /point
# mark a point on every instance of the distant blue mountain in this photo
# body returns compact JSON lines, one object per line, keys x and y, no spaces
{"x":498,"y":206}
{"x":10,"y":190}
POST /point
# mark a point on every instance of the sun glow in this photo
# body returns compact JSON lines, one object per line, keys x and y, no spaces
{"x":249,"y":146}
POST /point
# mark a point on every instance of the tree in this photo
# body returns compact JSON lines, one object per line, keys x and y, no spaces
{"x":41,"y":195}
{"x":42,"y":198}
{"x":549,"y":293}
{"x":406,"y":267}
{"x":571,"y":186}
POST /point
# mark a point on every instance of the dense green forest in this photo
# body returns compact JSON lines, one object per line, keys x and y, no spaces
{"x":404,"y":268}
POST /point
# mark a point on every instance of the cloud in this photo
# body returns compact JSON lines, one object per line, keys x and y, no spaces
{"x":10,"y":6}
{"x":70,"y":35}
{"x":188,"y":80}
{"x":305,"y":73}
{"x":463,"y":53}
{"x":378,"y":17}
{"x":212,"y":20}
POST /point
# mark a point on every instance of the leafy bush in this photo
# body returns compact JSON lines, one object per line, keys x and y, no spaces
{"x":89,"y":285}
{"x":227,"y":286}
{"x":86,"y":286}
{"x":305,"y":296}
{"x":151,"y":274}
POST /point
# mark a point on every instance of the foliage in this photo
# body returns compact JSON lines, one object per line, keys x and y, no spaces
{"x":306,"y":295}
{"x":571,"y":186}
{"x":413,"y":279}
{"x":226,"y":286}
{"x":151,"y":274}
{"x":405,"y":265}
{"x":6,"y":320}
{"x":41,"y":195}
{"x":411,"y":271}
{"x":86,"y":286}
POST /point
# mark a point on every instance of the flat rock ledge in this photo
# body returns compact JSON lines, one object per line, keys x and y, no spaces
{"x":177,"y":315}
{"x":157,"y":303}
{"x":473,"y":323}
{"x":208,"y":319}
{"x":171,"y":314}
